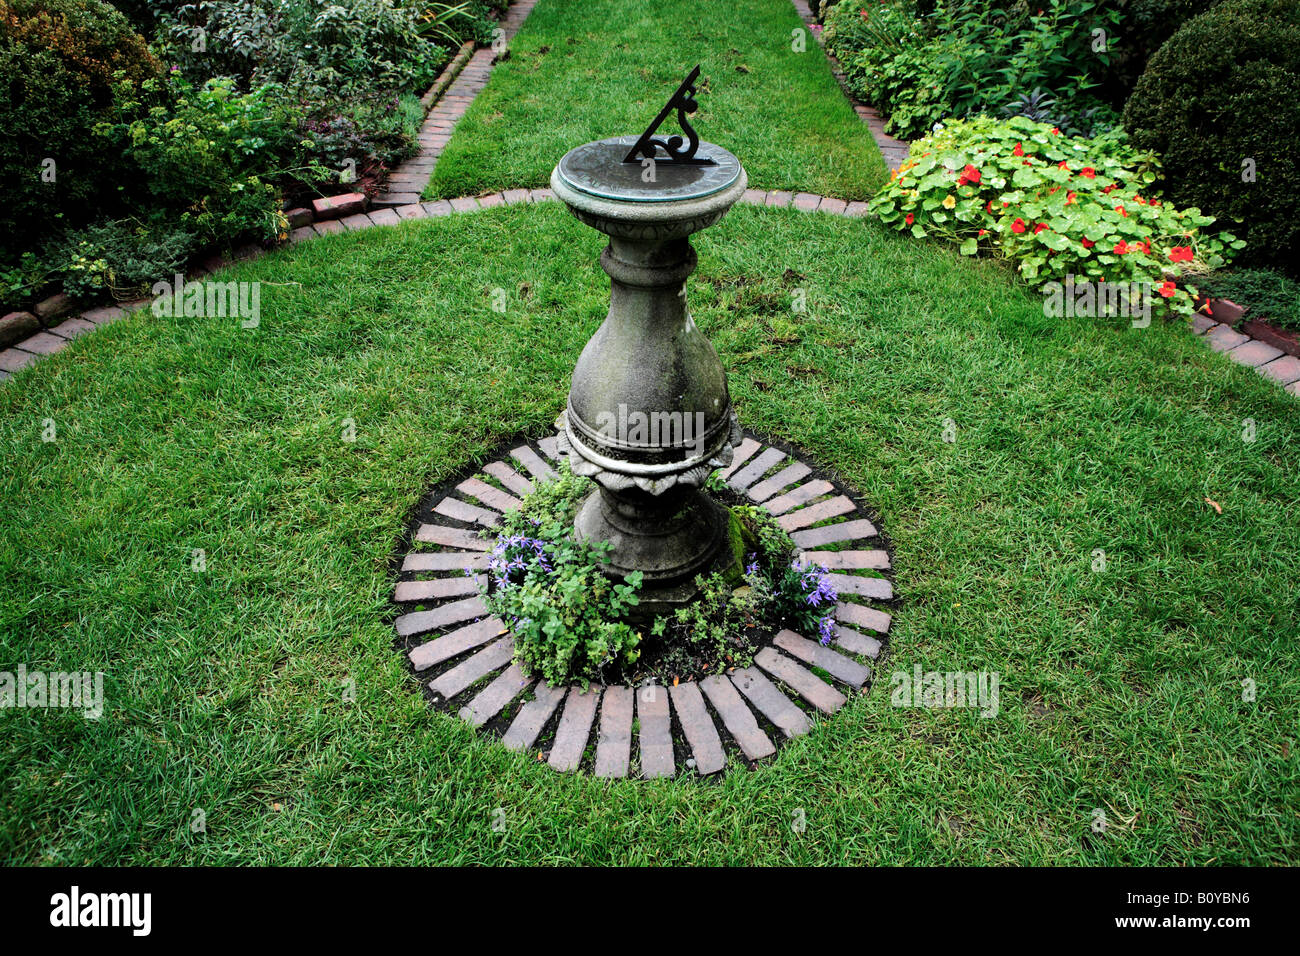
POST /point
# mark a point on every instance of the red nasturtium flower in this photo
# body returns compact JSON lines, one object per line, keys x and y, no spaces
{"x":909,"y":219}
{"x":968,"y":175}
{"x":1121,"y":247}
{"x":1180,"y":254}
{"x":983,"y":232}
{"x":1063,"y":165}
{"x":1167,"y":289}
{"x":1019,"y":150}
{"x":1108,"y":189}
{"x":1069,"y":198}
{"x":1055,"y":131}
{"x":1120,"y":210}
{"x":1088,"y":172}
{"x":1145,"y":247}
{"x":1018,"y":226}
{"x":988,"y":207}
{"x":1039,"y":228}
{"x":1087,"y":243}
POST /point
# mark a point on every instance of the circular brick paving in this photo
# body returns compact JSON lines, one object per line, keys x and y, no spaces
{"x":463,"y":656}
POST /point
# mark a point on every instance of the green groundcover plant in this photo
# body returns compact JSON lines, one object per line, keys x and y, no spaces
{"x":1054,"y":205}
{"x":571,"y":621}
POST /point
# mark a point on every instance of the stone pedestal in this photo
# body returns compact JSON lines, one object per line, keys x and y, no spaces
{"x":649,"y":416}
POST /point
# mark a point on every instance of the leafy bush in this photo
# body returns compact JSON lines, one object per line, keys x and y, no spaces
{"x":1222,"y":94}
{"x":963,"y":58}
{"x":210,"y":152}
{"x":1268,"y":294}
{"x":58,"y":59}
{"x":340,"y":47}
{"x":123,"y":258}
{"x":1054,"y":205}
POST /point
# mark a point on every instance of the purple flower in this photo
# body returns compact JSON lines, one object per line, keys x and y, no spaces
{"x":826,"y":629}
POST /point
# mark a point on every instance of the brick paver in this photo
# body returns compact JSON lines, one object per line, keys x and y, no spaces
{"x":492,"y":497}
{"x":832,"y":533}
{"x":470,"y":514}
{"x":444,"y":561}
{"x":444,"y":648}
{"x":533,"y":463}
{"x":451,"y":537}
{"x":756,"y":469}
{"x":848,"y":560}
{"x":810,"y":652}
{"x":532,"y":717}
{"x":782,"y":480}
{"x":490,"y":701}
{"x":857,"y":643}
{"x":453,"y":612}
{"x":656,"y":733}
{"x":575,"y":728}
{"x":865,"y":587}
{"x":472,"y":669}
{"x":43,"y":343}
{"x":614,"y":739}
{"x":1222,"y":338}
{"x":509,"y":477}
{"x":1254,"y":353}
{"x":861,"y":616}
{"x":801,"y":495}
{"x":1284,"y":370}
{"x":697,"y":725}
{"x":832,"y":508}
{"x":738,"y":718}
{"x":802,"y":681}
{"x":742,"y":454}
{"x":438,"y":589}
{"x":770,"y":702}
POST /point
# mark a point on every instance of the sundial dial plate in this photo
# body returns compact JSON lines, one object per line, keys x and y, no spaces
{"x":598,"y":169}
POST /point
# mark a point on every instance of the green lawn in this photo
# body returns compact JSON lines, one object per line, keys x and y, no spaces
{"x":581,"y":70}
{"x":1120,"y":690}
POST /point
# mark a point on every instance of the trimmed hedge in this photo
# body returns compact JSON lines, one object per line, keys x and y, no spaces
{"x":1223,"y":90}
{"x":57,"y":63}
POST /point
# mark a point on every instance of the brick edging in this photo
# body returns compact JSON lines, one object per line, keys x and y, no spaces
{"x":894,"y":150}
{"x":1270,"y":362}
{"x":405,"y":184}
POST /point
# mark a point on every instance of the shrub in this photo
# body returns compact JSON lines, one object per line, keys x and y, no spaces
{"x":210,"y":152}
{"x":964,"y":58}
{"x":1220,"y":93}
{"x":343,"y":47}
{"x":58,"y":59}
{"x":1054,"y":205}
{"x":123,"y":258}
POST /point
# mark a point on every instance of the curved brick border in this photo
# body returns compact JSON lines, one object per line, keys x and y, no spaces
{"x":463,"y":656}
{"x":1269,"y":361}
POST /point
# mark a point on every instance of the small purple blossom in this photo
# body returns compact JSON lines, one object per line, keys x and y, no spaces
{"x":826,"y":630}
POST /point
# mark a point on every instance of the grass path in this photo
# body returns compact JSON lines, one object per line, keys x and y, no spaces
{"x":1120,"y":690}
{"x":581,"y":70}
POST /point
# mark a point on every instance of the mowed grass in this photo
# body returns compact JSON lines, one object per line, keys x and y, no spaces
{"x":1120,"y":690}
{"x":582,"y":70}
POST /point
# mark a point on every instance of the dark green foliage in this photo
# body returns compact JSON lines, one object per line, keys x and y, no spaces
{"x":58,"y":59}
{"x":1220,"y":94}
{"x":1269,"y":295}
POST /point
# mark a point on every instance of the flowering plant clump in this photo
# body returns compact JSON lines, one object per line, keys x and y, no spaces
{"x":568,"y":619}
{"x":1057,"y":206}
{"x":571,"y":621}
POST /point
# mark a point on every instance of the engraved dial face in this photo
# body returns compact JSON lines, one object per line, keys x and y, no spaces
{"x":597,"y":169}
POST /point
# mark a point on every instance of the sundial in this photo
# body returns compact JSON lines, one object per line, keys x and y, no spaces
{"x":648,"y":361}
{"x":648,"y":168}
